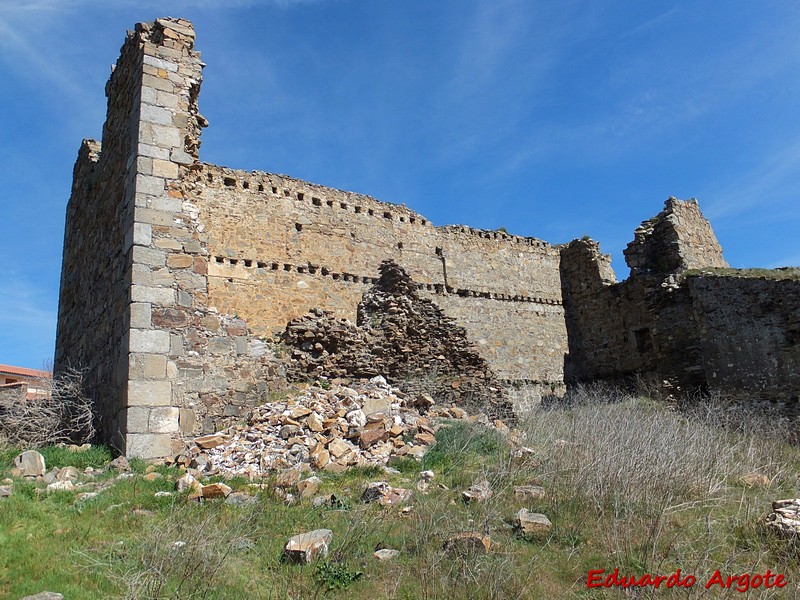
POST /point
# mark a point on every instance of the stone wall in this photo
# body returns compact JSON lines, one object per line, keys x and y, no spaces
{"x":279,"y":247}
{"x":177,"y":276}
{"x":748,"y":324}
{"x":681,"y":316}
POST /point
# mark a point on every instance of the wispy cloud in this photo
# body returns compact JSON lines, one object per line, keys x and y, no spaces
{"x":763,"y":185}
{"x":27,"y":322}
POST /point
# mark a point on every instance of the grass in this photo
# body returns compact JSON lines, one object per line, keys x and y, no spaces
{"x":754,"y":273}
{"x":630,"y":484}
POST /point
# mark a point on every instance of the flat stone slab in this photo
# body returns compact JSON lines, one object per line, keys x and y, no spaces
{"x":30,"y":463}
{"x":308,"y":547}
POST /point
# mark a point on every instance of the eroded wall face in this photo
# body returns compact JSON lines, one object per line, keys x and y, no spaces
{"x":93,"y":318}
{"x":750,"y":333}
{"x":278,"y":247}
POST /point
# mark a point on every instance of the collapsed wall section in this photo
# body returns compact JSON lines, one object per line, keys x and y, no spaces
{"x":279,"y":247}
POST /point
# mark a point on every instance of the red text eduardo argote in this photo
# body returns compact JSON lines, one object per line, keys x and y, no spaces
{"x":599,"y":578}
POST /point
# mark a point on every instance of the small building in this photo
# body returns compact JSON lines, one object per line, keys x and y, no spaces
{"x":20,"y":382}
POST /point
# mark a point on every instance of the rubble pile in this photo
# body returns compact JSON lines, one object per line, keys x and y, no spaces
{"x":407,"y":339}
{"x":784,"y":518}
{"x":325,"y":429}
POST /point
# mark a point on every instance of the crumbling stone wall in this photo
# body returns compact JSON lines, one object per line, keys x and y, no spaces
{"x":748,"y":324}
{"x":178,"y":274}
{"x":405,"y":338}
{"x":681,"y":316}
{"x":301,"y":246}
{"x":676,"y":239}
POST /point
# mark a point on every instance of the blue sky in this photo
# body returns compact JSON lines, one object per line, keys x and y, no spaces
{"x":554,"y":119}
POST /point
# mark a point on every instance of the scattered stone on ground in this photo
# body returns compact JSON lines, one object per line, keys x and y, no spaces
{"x":308,"y":487}
{"x":308,"y":547}
{"x":240,"y":499}
{"x":162,"y":494}
{"x":44,"y":596}
{"x":60,"y":486}
{"x":30,"y":464}
{"x":187,"y":482}
{"x":206,"y":442}
{"x":532,"y":523}
{"x":6,"y":491}
{"x":529,"y":492}
{"x":386,"y":554}
{"x":384,"y":494}
{"x":152,"y":476}
{"x":469,"y":542}
{"x":755,"y":479}
{"x":478,"y":492}
{"x":784,"y":518}
{"x":215,"y":490}
{"x":328,"y":429}
{"x":120,"y":464}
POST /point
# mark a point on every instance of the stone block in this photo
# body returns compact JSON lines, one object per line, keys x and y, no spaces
{"x":166,"y":136}
{"x":136,"y":419}
{"x":157,"y":296}
{"x":154,"y":217}
{"x":151,"y":257}
{"x":164,"y":420}
{"x":187,"y":421}
{"x":157,"y":83}
{"x":160,"y":63}
{"x":149,"y":341}
{"x":150,"y":185}
{"x":153,"y":151}
{"x":181,"y":157}
{"x":140,"y":315}
{"x":168,"y":244}
{"x":163,"y":277}
{"x":148,"y":95}
{"x":167,"y":100}
{"x":176,"y":344}
{"x":166,"y":203}
{"x":147,"y":445}
{"x":147,"y":366}
{"x":149,"y":393}
{"x":164,"y":168}
{"x":179,"y":261}
{"x":142,"y":234}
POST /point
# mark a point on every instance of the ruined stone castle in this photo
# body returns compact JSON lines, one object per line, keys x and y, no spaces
{"x":177,"y":274}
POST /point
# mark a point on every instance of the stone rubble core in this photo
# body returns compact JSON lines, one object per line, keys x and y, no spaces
{"x":332,"y":430}
{"x":401,"y":336}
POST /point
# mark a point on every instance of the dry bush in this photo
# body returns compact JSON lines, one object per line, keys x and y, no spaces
{"x":65,"y":414}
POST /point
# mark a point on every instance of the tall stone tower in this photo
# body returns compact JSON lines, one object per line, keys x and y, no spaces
{"x":124,"y":217}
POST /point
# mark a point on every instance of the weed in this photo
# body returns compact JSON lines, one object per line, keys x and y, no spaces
{"x":335,"y":576}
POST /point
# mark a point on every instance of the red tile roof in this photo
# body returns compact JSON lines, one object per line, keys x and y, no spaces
{"x":23,"y":372}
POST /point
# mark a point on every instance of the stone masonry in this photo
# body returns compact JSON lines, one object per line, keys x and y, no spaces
{"x":177,"y":275}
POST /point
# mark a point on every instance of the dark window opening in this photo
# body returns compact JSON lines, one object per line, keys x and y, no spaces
{"x":298,"y":226}
{"x":300,"y":196}
{"x":230,"y":182}
{"x":643,"y":339}
{"x":316,"y":201}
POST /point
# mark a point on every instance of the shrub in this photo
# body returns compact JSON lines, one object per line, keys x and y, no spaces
{"x":65,"y":415}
